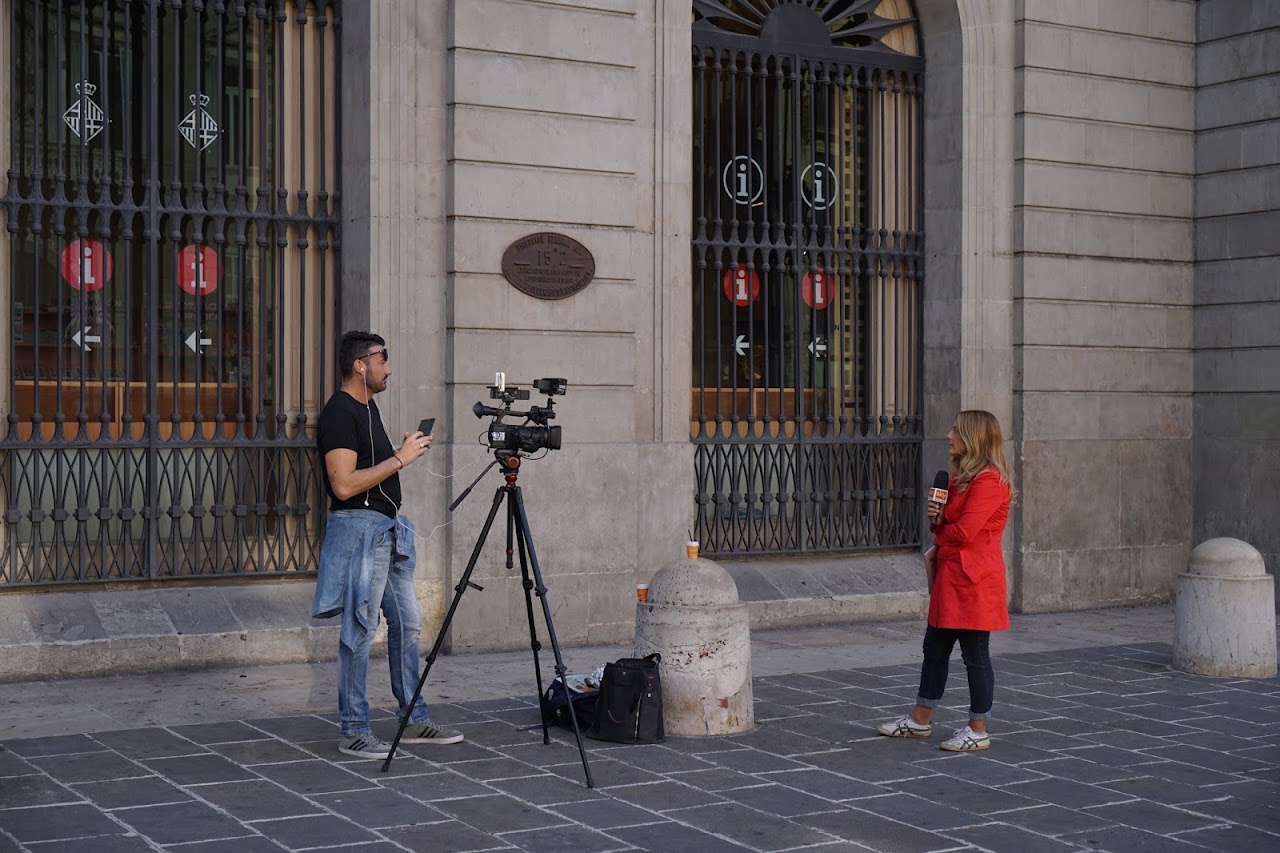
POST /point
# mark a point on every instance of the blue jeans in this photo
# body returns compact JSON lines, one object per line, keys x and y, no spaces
{"x":391,"y":581}
{"x":938,"y":643}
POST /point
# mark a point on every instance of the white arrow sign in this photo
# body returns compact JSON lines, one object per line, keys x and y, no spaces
{"x":202,"y":342}
{"x":82,"y":338}
{"x":818,"y":347}
{"x":740,"y":345}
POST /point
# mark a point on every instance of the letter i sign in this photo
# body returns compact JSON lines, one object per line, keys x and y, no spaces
{"x":741,"y":285}
{"x":198,"y":270}
{"x":86,"y":265}
{"x":815,"y":287}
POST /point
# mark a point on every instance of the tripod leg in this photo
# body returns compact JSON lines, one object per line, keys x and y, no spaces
{"x":448,"y":619}
{"x":527,"y":583}
{"x":522,"y":531}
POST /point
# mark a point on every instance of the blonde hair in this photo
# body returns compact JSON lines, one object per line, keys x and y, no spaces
{"x":983,"y":448}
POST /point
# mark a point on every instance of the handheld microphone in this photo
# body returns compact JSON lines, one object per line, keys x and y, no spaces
{"x":938,"y":494}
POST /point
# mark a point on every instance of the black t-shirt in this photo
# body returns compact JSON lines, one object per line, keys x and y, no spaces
{"x":348,"y":423}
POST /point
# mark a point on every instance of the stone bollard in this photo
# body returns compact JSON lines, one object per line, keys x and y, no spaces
{"x":694,"y":620}
{"x":1225,"y":617}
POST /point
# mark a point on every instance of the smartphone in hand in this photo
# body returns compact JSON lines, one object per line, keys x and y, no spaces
{"x":426,"y":425}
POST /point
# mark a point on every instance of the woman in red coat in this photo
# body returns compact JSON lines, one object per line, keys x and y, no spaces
{"x":966,"y":575}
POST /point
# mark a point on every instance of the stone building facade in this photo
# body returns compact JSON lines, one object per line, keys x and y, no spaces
{"x":1099,"y":190}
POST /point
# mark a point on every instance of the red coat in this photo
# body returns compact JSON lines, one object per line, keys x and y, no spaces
{"x":969,"y":589}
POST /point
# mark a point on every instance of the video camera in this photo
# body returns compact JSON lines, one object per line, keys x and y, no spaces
{"x":532,"y":435}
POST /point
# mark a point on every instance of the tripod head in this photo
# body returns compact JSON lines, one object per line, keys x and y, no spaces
{"x":509,"y":464}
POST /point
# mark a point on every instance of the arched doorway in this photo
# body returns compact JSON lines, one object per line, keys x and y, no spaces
{"x":808,"y":258}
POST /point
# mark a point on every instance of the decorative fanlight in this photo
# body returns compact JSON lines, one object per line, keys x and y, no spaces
{"x":844,"y":23}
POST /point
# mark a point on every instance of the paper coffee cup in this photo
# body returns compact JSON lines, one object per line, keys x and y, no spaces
{"x":691,"y":550}
{"x":642,"y":592}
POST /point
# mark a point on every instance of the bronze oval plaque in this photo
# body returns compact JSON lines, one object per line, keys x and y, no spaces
{"x":548,"y":265}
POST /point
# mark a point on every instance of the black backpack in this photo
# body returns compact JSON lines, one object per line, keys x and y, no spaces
{"x":555,"y":706}
{"x":629,"y":702}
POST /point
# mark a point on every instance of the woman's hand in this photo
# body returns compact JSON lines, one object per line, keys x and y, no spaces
{"x":935,"y":513}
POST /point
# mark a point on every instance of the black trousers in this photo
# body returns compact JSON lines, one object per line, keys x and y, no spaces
{"x":938,"y":643}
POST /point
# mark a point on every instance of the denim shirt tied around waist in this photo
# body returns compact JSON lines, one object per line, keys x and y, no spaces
{"x":346,"y":567}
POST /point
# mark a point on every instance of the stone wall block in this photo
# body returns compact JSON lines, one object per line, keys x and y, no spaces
{"x":1233,"y":280}
{"x":1064,"y":140}
{"x":1102,"y":577}
{"x":1107,"y":190}
{"x":1085,"y":415}
{"x":492,"y":302}
{"x":1106,"y":369}
{"x":582,"y":358}
{"x":1229,"y":326}
{"x":1054,"y":416}
{"x":1109,"y":54}
{"x":1070,"y":494}
{"x":549,"y":140}
{"x":1106,"y":280}
{"x":1220,"y":106}
{"x":495,"y":191}
{"x":1155,"y":491}
{"x":536,"y":29}
{"x":1246,"y":371}
{"x":1098,"y":324}
{"x":1247,"y":191}
{"x":1239,"y":236}
{"x":1221,"y":20}
{"x":544,"y":85}
{"x":1049,"y":92}
{"x":1158,"y":567}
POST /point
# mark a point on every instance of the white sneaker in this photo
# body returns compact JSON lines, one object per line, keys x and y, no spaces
{"x":904,"y":726}
{"x":967,"y":740}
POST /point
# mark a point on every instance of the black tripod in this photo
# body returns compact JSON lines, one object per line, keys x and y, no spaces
{"x":518,"y":535}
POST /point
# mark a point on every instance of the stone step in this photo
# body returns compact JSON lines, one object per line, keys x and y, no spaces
{"x":114,"y":632}
{"x":792,"y":592}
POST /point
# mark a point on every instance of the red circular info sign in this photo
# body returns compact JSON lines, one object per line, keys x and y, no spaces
{"x":198,"y":270}
{"x":741,"y":285}
{"x":815,"y":287}
{"x":86,"y":265}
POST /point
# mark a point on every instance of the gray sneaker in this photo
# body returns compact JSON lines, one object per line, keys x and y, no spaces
{"x":364,"y":746}
{"x":430,"y":733}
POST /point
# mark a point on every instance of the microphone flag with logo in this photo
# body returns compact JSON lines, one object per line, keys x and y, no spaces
{"x":938,"y":494}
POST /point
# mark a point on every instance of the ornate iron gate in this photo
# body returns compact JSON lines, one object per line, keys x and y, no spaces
{"x":807,"y":267}
{"x":172,"y":223}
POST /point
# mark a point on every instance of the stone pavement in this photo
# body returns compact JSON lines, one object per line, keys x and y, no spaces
{"x":1097,"y":745}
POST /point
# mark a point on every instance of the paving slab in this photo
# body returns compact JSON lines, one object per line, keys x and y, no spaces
{"x":1102,"y":747}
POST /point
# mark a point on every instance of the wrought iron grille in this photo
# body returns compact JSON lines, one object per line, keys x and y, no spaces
{"x":171,"y":214}
{"x":807,"y":269}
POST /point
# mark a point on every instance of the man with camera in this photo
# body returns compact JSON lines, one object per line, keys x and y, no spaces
{"x":367,"y":560}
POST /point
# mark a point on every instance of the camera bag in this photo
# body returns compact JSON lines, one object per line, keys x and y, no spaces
{"x":629,"y":704}
{"x":555,"y":705}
